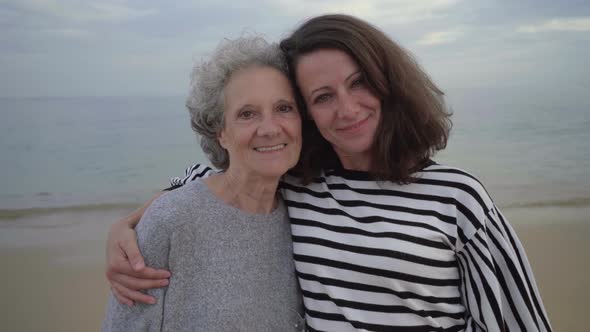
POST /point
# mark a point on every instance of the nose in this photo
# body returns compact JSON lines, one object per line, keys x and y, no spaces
{"x":268,"y":127}
{"x":348,"y":106}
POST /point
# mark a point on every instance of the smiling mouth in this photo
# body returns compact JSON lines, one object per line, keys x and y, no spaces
{"x":356,"y":125}
{"x":271,"y":148}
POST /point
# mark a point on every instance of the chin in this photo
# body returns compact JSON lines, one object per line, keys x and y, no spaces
{"x":271,"y":171}
{"x":357,"y":147}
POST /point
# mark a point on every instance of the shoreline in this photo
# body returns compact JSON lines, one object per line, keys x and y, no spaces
{"x":6,"y":213}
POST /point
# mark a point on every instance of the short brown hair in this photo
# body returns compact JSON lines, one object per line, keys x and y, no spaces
{"x":414,"y":122}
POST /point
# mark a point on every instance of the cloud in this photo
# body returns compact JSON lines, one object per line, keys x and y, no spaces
{"x":383,"y":11}
{"x":145,"y":43}
{"x":69,"y":33}
{"x":7,"y":15}
{"x":439,"y":37}
{"x":81,"y":11}
{"x":116,"y":12}
{"x":577,"y":24}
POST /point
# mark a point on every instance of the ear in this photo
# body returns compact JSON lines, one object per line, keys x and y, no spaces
{"x":221,"y":138}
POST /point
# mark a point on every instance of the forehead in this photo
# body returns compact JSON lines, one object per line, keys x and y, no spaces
{"x":324,"y":66}
{"x":257,"y":84}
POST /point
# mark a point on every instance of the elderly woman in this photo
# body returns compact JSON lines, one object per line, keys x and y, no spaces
{"x":226,"y":239}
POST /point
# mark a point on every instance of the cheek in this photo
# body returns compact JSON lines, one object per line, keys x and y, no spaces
{"x":296,"y":130}
{"x":320,"y":116}
{"x":369,"y":99}
{"x":239,"y":139}
{"x":293,"y":129}
{"x":377,"y":103}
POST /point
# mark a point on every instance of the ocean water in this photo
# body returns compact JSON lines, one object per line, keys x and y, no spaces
{"x":92,"y":152}
{"x":62,"y":152}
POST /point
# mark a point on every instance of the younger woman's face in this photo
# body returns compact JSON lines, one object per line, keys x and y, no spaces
{"x":340,"y":103}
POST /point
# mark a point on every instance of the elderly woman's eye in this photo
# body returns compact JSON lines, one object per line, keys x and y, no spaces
{"x":285,"y":108}
{"x":246,"y":114}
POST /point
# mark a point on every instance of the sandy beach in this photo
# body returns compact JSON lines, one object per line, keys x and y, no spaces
{"x":53,"y":266}
{"x":53,"y":263}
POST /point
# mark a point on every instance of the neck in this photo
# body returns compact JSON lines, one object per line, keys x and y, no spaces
{"x":247,"y":192}
{"x":355,"y":162}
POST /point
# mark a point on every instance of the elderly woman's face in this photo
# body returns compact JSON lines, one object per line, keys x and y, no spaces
{"x":262,"y":131}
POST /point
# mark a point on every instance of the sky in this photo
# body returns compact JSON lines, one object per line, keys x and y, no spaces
{"x":147,"y":48}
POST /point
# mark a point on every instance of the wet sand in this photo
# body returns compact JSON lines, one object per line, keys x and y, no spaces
{"x":53,"y":278}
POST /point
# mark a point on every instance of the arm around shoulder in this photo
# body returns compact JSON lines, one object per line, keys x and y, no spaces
{"x":153,"y":235}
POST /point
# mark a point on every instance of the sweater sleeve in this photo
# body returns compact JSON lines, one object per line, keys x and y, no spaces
{"x":153,"y":236}
{"x":498,"y":287}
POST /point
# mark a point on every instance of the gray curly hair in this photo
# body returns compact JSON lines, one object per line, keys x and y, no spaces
{"x":205,"y":102}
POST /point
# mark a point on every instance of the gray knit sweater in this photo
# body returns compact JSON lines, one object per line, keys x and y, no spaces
{"x":231,"y":271}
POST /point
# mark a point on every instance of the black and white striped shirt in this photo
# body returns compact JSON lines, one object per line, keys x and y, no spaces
{"x":433,"y":255}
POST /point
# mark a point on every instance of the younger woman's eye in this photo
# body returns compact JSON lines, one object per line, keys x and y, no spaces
{"x":322,"y":98}
{"x":358,"y":82}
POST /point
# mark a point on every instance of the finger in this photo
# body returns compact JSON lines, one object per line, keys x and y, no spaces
{"x":151,"y":273}
{"x":131,"y":251}
{"x":122,"y":299}
{"x":134,"y":295}
{"x":134,"y":283}
{"x":116,"y":267}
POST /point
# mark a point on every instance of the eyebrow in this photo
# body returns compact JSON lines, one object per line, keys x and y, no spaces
{"x":351,"y":75}
{"x":325,"y":86}
{"x":284,"y":101}
{"x":250,"y":106}
{"x":246,"y":106}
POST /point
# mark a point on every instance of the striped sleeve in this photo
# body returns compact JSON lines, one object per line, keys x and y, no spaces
{"x":498,"y":287}
{"x":191,"y":173}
